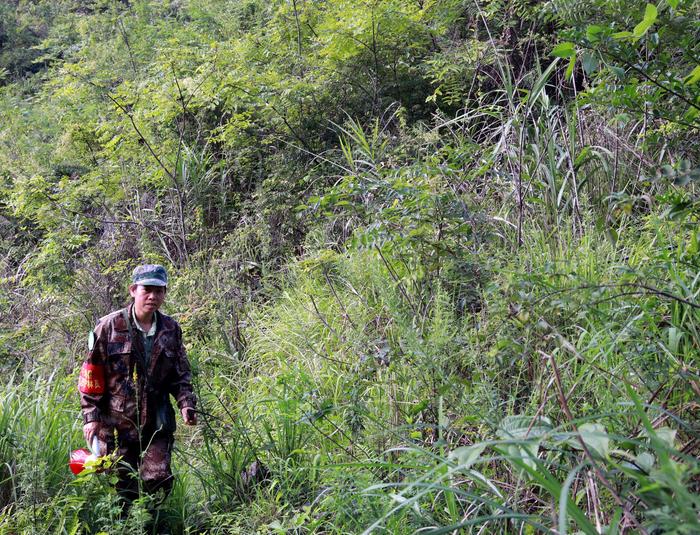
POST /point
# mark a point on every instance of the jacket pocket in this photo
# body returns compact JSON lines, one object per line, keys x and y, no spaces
{"x":115,"y":347}
{"x":122,"y":410}
{"x":118,"y":357}
{"x":166,"y":364}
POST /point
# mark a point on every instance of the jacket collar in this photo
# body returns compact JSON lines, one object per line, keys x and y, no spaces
{"x":130,"y":314}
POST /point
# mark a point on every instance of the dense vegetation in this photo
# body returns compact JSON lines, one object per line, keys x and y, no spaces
{"x":436,"y":261}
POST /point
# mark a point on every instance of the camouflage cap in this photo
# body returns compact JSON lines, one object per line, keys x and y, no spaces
{"x":150,"y":275}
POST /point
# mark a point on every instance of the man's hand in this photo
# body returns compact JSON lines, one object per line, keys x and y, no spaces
{"x":189,"y":416}
{"x":90,"y":430}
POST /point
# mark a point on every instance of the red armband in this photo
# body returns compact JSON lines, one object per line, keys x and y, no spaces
{"x":92,"y":379}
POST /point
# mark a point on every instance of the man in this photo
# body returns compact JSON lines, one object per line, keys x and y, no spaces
{"x":135,"y":360}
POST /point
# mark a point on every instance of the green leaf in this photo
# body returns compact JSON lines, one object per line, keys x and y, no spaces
{"x":570,"y":68}
{"x":618,"y":71}
{"x":674,"y":339}
{"x":681,"y":180}
{"x":667,"y":436}
{"x":595,"y":438}
{"x":650,"y":14}
{"x":592,"y":32}
{"x":564,"y":50}
{"x":589,"y":62}
{"x":673,"y":3}
{"x":466,"y":456}
{"x":521,"y":427}
{"x":622,"y":35}
{"x":525,"y":453}
{"x":693,"y":77}
{"x":667,"y":171}
{"x":645,"y":461}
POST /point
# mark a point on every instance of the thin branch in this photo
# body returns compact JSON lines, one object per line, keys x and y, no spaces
{"x":596,"y":469}
{"x":337,"y":298}
{"x":122,"y":30}
{"x":145,"y":141}
{"x":181,"y":196}
{"x":647,"y":77}
{"x":324,"y":320}
{"x":650,"y":290}
{"x":397,"y":280}
{"x":279,"y":114}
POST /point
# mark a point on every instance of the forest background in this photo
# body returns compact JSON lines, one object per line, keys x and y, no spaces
{"x":436,"y":261}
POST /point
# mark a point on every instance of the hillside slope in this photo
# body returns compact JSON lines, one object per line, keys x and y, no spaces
{"x":436,"y":262}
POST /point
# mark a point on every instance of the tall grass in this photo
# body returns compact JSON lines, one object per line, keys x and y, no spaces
{"x":38,"y":428}
{"x":563,"y":404}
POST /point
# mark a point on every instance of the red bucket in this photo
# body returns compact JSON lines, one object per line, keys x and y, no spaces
{"x":78,"y":459}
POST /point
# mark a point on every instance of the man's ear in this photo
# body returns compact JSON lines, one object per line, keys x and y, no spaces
{"x":132,"y":289}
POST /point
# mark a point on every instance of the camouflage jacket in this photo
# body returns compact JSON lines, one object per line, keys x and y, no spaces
{"x":112,"y":390}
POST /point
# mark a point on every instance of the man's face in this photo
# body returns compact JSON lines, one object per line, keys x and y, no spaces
{"x":147,"y":299}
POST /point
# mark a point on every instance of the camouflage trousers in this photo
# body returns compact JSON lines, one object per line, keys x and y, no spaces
{"x":146,"y":460}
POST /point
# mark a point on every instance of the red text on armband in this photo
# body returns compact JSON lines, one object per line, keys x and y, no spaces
{"x":92,"y":379}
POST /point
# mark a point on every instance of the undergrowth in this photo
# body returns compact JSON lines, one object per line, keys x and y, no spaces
{"x":434,"y":274}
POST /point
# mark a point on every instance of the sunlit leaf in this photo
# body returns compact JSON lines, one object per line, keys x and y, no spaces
{"x":650,"y":14}
{"x":622,"y":35}
{"x":564,"y":50}
{"x":694,"y":76}
{"x":592,"y":32}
